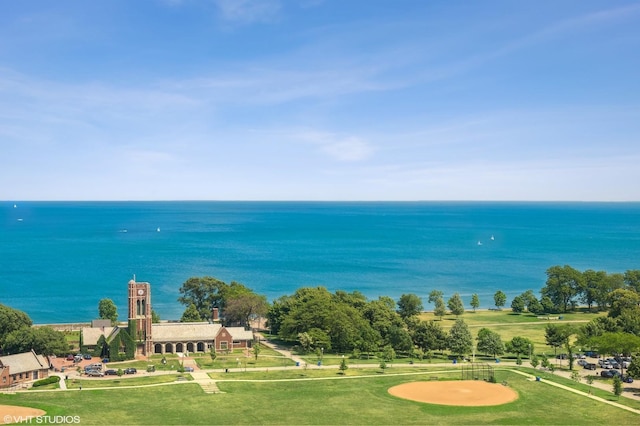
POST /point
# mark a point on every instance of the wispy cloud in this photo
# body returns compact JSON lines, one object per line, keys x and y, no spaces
{"x":248,"y":11}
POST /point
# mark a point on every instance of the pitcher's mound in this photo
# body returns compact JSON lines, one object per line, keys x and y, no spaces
{"x":14,"y":413}
{"x":461,"y":392}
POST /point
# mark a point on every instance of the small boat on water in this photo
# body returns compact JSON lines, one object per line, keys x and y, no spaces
{"x":492,"y":238}
{"x":157,"y":229}
{"x":479,"y":243}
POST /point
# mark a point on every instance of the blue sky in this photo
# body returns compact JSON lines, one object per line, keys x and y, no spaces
{"x":320,"y":100}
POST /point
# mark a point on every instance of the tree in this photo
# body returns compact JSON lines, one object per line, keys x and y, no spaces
{"x":343,"y":366}
{"x":500,"y":299}
{"x":429,"y":336}
{"x":191,"y":314}
{"x":11,"y":320}
{"x":563,"y":284}
{"x":204,"y":293}
{"x":399,"y":339}
{"x":556,"y":336}
{"x":434,"y":295}
{"x":632,"y":279}
{"x":455,"y":305}
{"x":241,"y":309}
{"x":460,"y":341}
{"x":535,"y":361}
{"x":518,"y":304}
{"x":306,"y":342}
{"x":519,"y":345}
{"x":634,"y":368}
{"x":409,"y":305}
{"x":617,"y":386}
{"x":43,"y":340}
{"x":475,"y":302}
{"x":256,"y":350}
{"x":440,"y":310}
{"x":155,"y":318}
{"x":489,"y":342}
{"x":107,"y":310}
{"x":212,"y":353}
{"x":622,"y":299}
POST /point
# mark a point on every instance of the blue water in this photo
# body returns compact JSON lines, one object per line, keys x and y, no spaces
{"x":58,"y":259}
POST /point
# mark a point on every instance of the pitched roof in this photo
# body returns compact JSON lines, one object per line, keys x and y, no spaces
{"x":24,"y":362}
{"x":90,"y":335}
{"x":239,"y":333}
{"x":181,"y":331}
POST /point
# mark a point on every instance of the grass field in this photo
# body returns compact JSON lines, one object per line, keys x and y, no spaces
{"x":316,"y":396}
{"x":359,"y":400}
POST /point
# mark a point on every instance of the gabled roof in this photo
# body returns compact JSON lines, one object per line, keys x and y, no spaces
{"x":181,"y":331}
{"x":24,"y":362}
{"x":90,"y":335}
{"x":239,"y":333}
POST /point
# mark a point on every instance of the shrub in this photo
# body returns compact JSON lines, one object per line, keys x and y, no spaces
{"x":49,"y":380}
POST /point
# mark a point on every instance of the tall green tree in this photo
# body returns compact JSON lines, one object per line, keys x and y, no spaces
{"x":245,"y":307}
{"x":563,"y":285}
{"x":409,"y":305}
{"x":43,"y":340}
{"x":475,"y":302}
{"x":519,"y":345}
{"x":500,"y":299}
{"x":11,"y":320}
{"x":205,"y":293}
{"x":429,"y":336}
{"x":556,"y":336}
{"x":455,"y":305}
{"x":518,"y":304}
{"x":460,"y":341}
{"x":440,"y":309}
{"x":434,"y":295}
{"x":632,"y":279}
{"x":107,"y":310}
{"x":622,"y":299}
{"x":489,"y":342}
{"x":191,"y":314}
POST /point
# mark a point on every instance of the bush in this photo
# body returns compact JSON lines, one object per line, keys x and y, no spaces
{"x":47,"y":381}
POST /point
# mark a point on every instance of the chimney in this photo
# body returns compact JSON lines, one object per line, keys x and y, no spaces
{"x":214,"y":315}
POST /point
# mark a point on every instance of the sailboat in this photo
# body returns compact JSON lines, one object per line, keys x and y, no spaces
{"x":158,"y":229}
{"x":492,"y":238}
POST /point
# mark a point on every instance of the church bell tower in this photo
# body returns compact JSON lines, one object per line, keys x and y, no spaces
{"x":140,"y":316}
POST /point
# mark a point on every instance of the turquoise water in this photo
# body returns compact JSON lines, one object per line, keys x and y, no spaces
{"x":58,"y":259}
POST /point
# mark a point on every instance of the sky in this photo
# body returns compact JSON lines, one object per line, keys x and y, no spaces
{"x":320,"y":100}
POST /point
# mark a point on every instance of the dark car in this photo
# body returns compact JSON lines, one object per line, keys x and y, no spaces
{"x":188,"y":369}
{"x":69,"y":357}
{"x":111,"y":372}
{"x":627,"y":379}
{"x":86,"y":356}
{"x":590,"y":366}
{"x":105,"y":360}
{"x":130,"y":371}
{"x":610,"y":373}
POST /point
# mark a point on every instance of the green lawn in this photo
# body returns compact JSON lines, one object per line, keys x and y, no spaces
{"x":362,"y":400}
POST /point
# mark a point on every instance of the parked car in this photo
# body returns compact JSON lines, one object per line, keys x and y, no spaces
{"x":105,"y":360}
{"x":562,"y":356}
{"x":86,"y":356}
{"x":111,"y":372}
{"x":188,"y":369}
{"x":69,"y":357}
{"x":582,"y":362}
{"x":94,"y":373}
{"x":130,"y":371}
{"x":610,"y":373}
{"x":590,"y":366}
{"x":627,"y":379}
